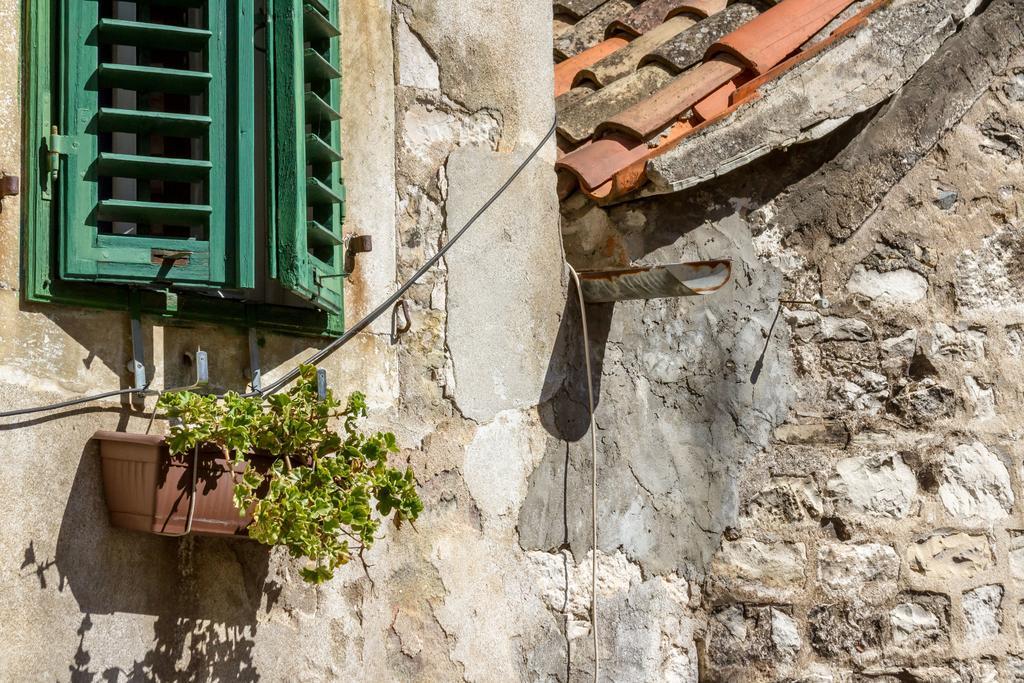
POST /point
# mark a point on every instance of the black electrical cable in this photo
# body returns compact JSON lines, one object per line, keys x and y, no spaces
{"x":323,"y":353}
{"x":276,"y":386}
{"x":73,"y":402}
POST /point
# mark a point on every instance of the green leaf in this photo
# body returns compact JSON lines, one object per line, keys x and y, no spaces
{"x":331,"y":488}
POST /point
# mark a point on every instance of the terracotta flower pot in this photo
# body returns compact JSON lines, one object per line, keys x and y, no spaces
{"x":148,"y":489}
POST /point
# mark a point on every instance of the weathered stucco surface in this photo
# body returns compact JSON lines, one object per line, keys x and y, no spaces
{"x":826,"y":494}
{"x":82,"y":601}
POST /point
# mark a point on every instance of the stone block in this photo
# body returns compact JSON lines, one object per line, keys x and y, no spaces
{"x":1015,"y":668}
{"x":503,"y":307}
{"x":841,"y":630}
{"x":845,"y":329}
{"x":923,"y":402}
{"x":949,"y":554}
{"x":982,"y":613}
{"x":920,"y":620}
{"x":959,"y":344}
{"x":975,"y":485}
{"x":901,"y":347}
{"x":814,"y":433}
{"x":987,"y":278}
{"x":893,"y":288}
{"x":748,"y":634}
{"x":749,"y":568}
{"x":811,"y":326}
{"x":868,"y":569}
{"x":879,"y":485}
{"x":1016,"y":555}
{"x":980,"y":397}
{"x":786,"y":500}
{"x":416,"y":68}
{"x":785,"y":634}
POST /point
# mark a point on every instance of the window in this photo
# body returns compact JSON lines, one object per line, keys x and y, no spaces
{"x":188,"y":158}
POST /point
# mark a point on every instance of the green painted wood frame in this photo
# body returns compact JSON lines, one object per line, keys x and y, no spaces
{"x":307,"y":199}
{"x":223,"y":256}
{"x":41,"y":283}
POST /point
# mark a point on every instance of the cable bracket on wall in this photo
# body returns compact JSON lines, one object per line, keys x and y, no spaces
{"x":398,"y":330}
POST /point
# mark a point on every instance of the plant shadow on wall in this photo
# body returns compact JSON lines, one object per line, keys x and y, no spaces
{"x":678,"y":414}
{"x":296,"y":481}
{"x":204,"y":592}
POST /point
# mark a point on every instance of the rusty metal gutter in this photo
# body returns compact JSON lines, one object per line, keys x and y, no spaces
{"x":653,"y":282}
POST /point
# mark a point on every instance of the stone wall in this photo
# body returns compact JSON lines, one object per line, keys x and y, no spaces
{"x":830,"y":496}
{"x":851,"y":511}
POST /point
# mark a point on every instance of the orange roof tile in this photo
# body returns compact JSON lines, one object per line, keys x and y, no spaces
{"x":715,"y":103}
{"x":654,"y":12}
{"x":613,"y":163}
{"x":567,"y":71}
{"x":623,"y":62}
{"x":767,"y":39}
{"x":690,"y":46}
{"x":646,"y":118}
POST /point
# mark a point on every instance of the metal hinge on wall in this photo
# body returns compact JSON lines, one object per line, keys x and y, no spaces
{"x":56,"y":146}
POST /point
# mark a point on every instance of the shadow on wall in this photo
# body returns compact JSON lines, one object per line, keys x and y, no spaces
{"x":688,"y":390}
{"x":566,"y":415}
{"x":204,"y":592}
{"x":168,"y":344}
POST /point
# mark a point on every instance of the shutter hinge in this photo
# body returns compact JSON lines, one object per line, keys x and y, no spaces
{"x":56,"y":146}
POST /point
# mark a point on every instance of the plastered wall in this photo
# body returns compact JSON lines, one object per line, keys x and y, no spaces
{"x":832,"y":499}
{"x":435,"y":118}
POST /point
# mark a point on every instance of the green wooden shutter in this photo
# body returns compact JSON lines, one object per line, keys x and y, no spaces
{"x":156,"y":184}
{"x":307,"y":194}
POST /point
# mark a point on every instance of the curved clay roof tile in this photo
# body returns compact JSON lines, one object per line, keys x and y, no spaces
{"x":575,"y":8}
{"x":589,"y":31}
{"x":577,"y":119}
{"x":658,"y":111}
{"x":770,"y":37}
{"x":688,"y":48}
{"x":568,"y":100}
{"x":654,"y":12}
{"x":715,"y":103}
{"x":596,"y":162}
{"x":567,"y":71}
{"x":702,"y":8}
{"x":621,"y":63}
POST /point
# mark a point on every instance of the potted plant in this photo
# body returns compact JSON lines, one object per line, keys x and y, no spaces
{"x":271,"y":468}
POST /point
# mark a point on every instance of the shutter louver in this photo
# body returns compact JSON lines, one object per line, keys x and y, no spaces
{"x":149,"y":191}
{"x":308,"y":196}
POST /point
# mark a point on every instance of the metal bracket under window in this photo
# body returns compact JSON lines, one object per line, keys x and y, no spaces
{"x":321,"y":383}
{"x":202,"y":369}
{"x":137,"y":366}
{"x":356,"y":244}
{"x":255,"y":374}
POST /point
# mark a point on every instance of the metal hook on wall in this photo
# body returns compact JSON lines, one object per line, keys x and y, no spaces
{"x":396,"y":331}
